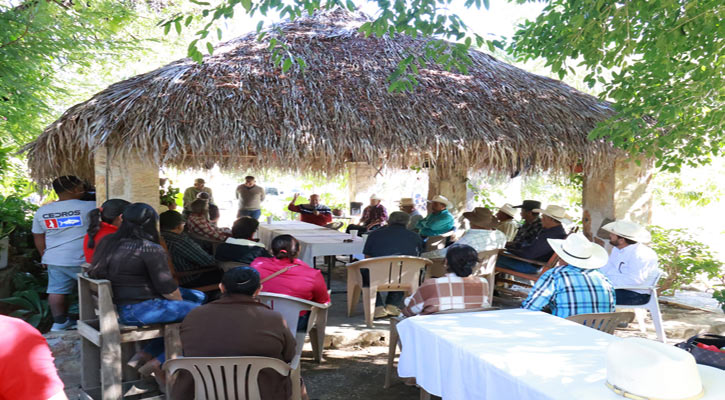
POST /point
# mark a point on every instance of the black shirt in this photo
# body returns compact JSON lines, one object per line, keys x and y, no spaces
{"x":393,"y":240}
{"x":239,"y":253}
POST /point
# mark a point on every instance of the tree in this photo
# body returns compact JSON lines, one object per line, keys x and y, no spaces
{"x":660,"y":62}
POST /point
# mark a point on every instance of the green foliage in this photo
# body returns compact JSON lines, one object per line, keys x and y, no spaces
{"x":14,"y":213}
{"x":719,"y":295}
{"x":661,"y":62}
{"x":429,"y":18}
{"x":682,"y":258}
{"x":41,"y":39}
{"x":168,"y":196}
{"x":482,"y":194}
{"x":29,"y":297}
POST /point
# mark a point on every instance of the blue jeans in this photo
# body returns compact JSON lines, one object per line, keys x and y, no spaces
{"x":627,"y":297}
{"x":517,"y":265}
{"x":160,"y":311}
{"x":250,"y":213}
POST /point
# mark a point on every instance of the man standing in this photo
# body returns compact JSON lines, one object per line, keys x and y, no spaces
{"x":631,"y":263}
{"x":374,"y":216}
{"x":528,"y":232}
{"x":237,"y":325}
{"x":538,"y":249}
{"x":576,"y":286}
{"x":58,"y":231}
{"x":188,"y":257}
{"x":439,"y":220}
{"x":192,"y":193}
{"x":314,"y":212}
{"x":507,"y":225}
{"x":407,"y":205}
{"x":392,"y":240}
{"x":482,"y":236}
{"x":250,"y":198}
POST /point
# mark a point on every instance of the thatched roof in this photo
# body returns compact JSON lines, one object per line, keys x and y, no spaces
{"x":237,"y":104}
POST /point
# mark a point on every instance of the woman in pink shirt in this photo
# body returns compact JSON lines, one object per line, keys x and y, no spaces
{"x":298,"y":279}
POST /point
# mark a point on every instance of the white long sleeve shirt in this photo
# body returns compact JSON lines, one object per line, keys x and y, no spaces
{"x":634,"y":265}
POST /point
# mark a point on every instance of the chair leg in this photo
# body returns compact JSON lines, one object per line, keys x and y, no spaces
{"x":392,"y":347}
{"x":368,"y":305}
{"x":353,"y":297}
{"x":111,"y":371}
{"x":654,"y":309}
{"x":640,"y":313}
{"x":91,"y":365}
{"x":296,"y":378}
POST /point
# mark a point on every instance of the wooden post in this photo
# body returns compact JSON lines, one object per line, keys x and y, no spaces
{"x":134,"y":178}
{"x":450,"y":179}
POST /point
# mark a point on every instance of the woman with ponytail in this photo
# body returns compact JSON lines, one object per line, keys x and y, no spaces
{"x":144,"y":291}
{"x":102,"y":221}
{"x":456,"y":290}
{"x":288,"y":274}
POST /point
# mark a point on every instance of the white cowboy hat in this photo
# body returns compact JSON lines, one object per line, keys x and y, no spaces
{"x":376,"y":197}
{"x":406,"y":201}
{"x":639,"y":368}
{"x":554,"y":212}
{"x":508,"y":209}
{"x":442,"y":200}
{"x":628,"y":230}
{"x":578,"y":251}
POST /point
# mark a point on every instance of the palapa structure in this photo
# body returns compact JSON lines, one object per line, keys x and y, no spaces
{"x":237,"y":107}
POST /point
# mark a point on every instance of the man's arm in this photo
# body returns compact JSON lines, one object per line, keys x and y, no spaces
{"x":542,"y":292}
{"x":39,"y":240}
{"x":192,"y":252}
{"x":189,"y":197}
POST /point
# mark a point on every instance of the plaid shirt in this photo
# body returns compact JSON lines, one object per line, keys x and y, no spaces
{"x":569,"y":290}
{"x":527,"y":233}
{"x":374,"y":215}
{"x":186,"y":255}
{"x":201,"y":226}
{"x":449,"y":292}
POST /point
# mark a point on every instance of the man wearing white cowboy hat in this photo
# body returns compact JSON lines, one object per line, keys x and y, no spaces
{"x":482,"y":236}
{"x":439,"y":220}
{"x":407,"y":205}
{"x":539,"y":249}
{"x":631,"y":263}
{"x":576,"y":286}
{"x":374,"y":216}
{"x":506,"y":224}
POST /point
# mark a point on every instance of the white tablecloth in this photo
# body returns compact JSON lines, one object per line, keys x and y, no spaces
{"x":508,"y":354}
{"x":315,"y":241}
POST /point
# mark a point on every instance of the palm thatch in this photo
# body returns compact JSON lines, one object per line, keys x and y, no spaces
{"x":238,"y":107}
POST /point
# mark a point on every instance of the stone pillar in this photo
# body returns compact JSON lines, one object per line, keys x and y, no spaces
{"x":620,"y":191}
{"x":451,"y":181}
{"x":132,"y":178}
{"x":362,"y":180}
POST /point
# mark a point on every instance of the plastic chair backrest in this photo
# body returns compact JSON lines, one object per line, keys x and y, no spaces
{"x":289,"y":306}
{"x":486,"y":262}
{"x":605,"y":322}
{"x":394,"y":272}
{"x":226,"y":377}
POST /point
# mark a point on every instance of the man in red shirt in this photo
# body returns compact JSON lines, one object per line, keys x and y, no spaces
{"x":26,"y":365}
{"x":314,"y":212}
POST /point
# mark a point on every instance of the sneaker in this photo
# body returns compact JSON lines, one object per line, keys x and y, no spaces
{"x":392,"y":310}
{"x":69,"y":324}
{"x":380,"y":312}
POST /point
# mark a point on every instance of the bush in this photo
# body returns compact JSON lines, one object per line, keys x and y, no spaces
{"x":682,"y":258}
{"x":30,"y":300}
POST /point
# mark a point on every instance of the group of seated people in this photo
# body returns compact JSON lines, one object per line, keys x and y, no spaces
{"x":125,"y":247}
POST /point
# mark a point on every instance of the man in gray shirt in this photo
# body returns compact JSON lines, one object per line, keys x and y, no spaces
{"x":58,"y":231}
{"x":250,"y":198}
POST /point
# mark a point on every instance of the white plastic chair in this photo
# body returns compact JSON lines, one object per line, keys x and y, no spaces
{"x":227,"y":377}
{"x":653,"y":306}
{"x":387,"y":274}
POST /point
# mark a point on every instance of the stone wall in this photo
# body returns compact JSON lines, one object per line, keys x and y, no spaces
{"x":450,"y":181}
{"x":362,"y":180}
{"x":131,"y":178}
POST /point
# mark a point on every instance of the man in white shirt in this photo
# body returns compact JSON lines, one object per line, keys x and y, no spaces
{"x":58,"y":231}
{"x":631,"y":263}
{"x":482,"y":236}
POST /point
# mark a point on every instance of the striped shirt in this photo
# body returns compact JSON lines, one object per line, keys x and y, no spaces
{"x":569,"y":290}
{"x":187,"y":255}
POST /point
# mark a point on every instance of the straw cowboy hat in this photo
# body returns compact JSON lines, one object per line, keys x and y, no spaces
{"x":406,"y":201}
{"x":578,"y":251}
{"x":376,"y":197}
{"x":509,"y":209}
{"x":554,"y":212}
{"x":639,"y":368}
{"x":442,"y":200}
{"x":481,"y":216}
{"x":628,"y":230}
